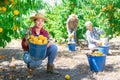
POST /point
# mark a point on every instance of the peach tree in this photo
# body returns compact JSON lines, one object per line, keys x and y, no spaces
{"x":14,"y":18}
{"x":104,"y":14}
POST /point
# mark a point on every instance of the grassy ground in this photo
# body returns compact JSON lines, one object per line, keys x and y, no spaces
{"x":73,"y":63}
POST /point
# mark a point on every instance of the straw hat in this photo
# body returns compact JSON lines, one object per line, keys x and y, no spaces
{"x":38,"y":16}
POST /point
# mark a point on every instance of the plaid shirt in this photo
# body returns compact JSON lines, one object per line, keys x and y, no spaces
{"x":94,"y":35}
{"x":72,"y":24}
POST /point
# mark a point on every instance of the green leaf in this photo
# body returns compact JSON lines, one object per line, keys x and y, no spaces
{"x":8,"y":39}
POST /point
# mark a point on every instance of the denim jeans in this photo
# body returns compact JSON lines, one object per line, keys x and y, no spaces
{"x":51,"y":54}
{"x":74,"y":39}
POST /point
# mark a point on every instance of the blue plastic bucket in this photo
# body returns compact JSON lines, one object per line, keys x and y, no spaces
{"x":37,"y":52}
{"x":104,"y":49}
{"x":96,"y":63}
{"x":71,"y":46}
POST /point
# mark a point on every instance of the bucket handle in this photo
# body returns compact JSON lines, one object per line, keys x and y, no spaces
{"x":95,"y":64}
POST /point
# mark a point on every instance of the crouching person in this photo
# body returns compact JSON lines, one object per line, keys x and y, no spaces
{"x":92,"y":35}
{"x":51,"y":52}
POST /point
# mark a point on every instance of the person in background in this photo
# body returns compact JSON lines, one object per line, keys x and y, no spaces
{"x":36,"y":30}
{"x":72,"y":23}
{"x":92,"y":35}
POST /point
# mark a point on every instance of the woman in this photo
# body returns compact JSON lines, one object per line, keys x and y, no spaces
{"x":51,"y":53}
{"x":92,"y":35}
{"x":72,"y":23}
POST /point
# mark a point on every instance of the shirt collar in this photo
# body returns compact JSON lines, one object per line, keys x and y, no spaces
{"x":33,"y":29}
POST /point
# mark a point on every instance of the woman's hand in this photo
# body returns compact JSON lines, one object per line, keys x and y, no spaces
{"x":26,"y":42}
{"x":99,"y":42}
{"x":71,"y":35}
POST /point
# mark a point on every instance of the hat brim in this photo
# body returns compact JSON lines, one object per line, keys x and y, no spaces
{"x":34,"y":17}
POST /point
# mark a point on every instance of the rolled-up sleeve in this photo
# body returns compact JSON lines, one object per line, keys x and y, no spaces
{"x":99,"y":31}
{"x":89,"y":38}
{"x":24,"y":47}
{"x":45,"y":33}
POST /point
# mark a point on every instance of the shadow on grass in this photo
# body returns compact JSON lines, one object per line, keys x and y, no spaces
{"x":112,"y":68}
{"x":9,"y":53}
{"x":78,"y":73}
